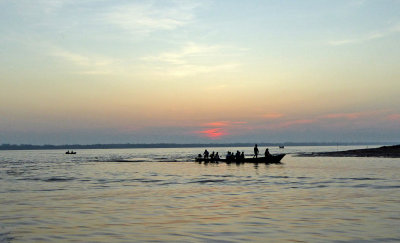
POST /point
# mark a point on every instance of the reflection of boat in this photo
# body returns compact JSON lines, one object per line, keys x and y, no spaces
{"x":272,"y":159}
{"x":70,"y":152}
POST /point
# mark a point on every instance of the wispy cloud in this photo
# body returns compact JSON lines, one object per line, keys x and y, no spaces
{"x":150,"y":16}
{"x":350,"y":115}
{"x":292,"y":123}
{"x":41,"y":6}
{"x":194,"y":59}
{"x":327,"y":121}
{"x":367,"y":37}
{"x":343,"y":115}
{"x":190,"y":70}
{"x":89,"y":64}
{"x":189,"y":50}
{"x":223,"y":123}
{"x":216,"y":124}
{"x":272,"y":115}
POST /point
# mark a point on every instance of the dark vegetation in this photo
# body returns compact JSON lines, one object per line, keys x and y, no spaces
{"x":162,"y":145}
{"x":385,"y":151}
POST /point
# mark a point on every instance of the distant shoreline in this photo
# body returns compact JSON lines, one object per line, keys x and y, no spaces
{"x":168,"y":145}
{"x":384,"y":152}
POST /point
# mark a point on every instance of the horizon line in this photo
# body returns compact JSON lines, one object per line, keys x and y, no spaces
{"x":6,"y":146}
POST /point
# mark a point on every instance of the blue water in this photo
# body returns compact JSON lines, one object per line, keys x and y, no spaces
{"x":161,"y":195}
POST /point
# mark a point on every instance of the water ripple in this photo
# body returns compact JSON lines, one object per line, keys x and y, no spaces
{"x":48,"y":197}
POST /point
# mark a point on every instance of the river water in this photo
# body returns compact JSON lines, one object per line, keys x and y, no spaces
{"x":160,"y":195}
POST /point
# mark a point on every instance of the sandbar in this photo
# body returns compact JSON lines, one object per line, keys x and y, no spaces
{"x":384,"y":152}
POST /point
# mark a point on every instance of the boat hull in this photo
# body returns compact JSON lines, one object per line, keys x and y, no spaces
{"x":272,"y":159}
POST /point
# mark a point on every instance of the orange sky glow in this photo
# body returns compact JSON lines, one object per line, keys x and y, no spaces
{"x":185,"y":71}
{"x":213,"y":133}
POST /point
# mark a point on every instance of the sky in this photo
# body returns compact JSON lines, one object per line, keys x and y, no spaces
{"x":199,"y":71}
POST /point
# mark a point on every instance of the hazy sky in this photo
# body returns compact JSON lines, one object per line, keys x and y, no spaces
{"x":199,"y":71}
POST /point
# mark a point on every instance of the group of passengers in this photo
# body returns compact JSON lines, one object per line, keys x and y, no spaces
{"x":212,"y":157}
{"x":238,"y":157}
{"x":230,"y":156}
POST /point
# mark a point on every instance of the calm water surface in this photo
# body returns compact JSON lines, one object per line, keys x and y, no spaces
{"x":154,"y":195}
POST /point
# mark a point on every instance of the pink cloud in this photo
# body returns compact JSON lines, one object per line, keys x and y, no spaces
{"x":219,"y":129}
{"x":353,"y":115}
{"x":288,"y":124}
{"x":216,"y":124}
{"x":213,"y":133}
{"x":394,"y":117}
{"x":223,"y":123}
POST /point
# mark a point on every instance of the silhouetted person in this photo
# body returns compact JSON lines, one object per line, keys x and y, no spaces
{"x":256,"y":151}
{"x":237,"y":156}
{"x":212,"y":156}
{"x":229,"y":156}
{"x":267,"y":152}
{"x":206,"y":154}
{"x":199,"y":158}
{"x":216,"y":156}
{"x":242,"y":156}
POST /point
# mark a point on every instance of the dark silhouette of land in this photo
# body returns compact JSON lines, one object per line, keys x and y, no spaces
{"x":385,"y":151}
{"x":168,"y":145}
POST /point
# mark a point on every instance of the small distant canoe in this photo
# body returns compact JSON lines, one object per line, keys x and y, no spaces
{"x":272,"y":159}
{"x":68,"y":152}
{"x":281,"y":146}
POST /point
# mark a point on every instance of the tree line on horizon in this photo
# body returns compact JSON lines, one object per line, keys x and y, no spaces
{"x":171,"y":145}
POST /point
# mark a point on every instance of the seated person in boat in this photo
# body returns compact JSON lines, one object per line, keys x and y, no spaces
{"x":212,"y":156}
{"x":267,"y":152}
{"x":205,"y":154}
{"x":237,"y":156}
{"x":230,"y":156}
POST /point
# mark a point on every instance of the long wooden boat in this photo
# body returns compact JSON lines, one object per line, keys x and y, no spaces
{"x":272,"y":159}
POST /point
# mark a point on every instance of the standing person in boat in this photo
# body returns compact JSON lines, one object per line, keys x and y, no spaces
{"x":256,"y":151}
{"x":267,"y":154}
